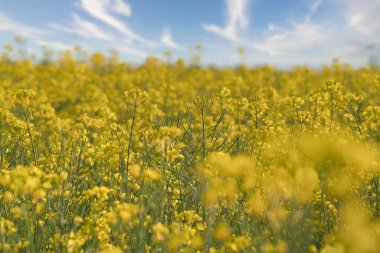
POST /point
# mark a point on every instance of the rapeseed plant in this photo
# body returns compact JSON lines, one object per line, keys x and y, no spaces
{"x":98,"y":155}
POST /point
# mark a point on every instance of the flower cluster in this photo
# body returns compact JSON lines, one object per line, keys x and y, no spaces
{"x":103,"y":156}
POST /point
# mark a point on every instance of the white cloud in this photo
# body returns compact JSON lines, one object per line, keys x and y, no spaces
{"x":6,"y":24}
{"x":61,"y":28}
{"x":344,"y":35}
{"x":353,"y":53}
{"x":362,"y":16}
{"x":107,"y":11}
{"x":84,"y":28}
{"x":89,"y":29}
{"x":236,"y":20}
{"x":167,"y":40}
{"x":129,"y":50}
{"x":53,"y":45}
{"x":122,"y":8}
{"x":104,"y":10}
{"x":315,"y":6}
{"x":300,"y":37}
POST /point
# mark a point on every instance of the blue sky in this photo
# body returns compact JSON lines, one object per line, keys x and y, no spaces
{"x":279,"y":32}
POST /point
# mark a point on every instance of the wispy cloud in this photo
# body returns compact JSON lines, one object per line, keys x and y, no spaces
{"x":296,"y":37}
{"x":355,"y":25}
{"x":299,"y":37}
{"x":122,"y":8}
{"x":53,"y":45}
{"x":127,"y":48}
{"x":104,"y":10}
{"x":315,"y":6}
{"x":236,"y":19}
{"x":84,"y":28}
{"x":362,"y":16}
{"x":168,"y":41}
{"x":9,"y":25}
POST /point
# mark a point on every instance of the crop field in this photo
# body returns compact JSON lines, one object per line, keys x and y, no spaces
{"x":99,"y":155}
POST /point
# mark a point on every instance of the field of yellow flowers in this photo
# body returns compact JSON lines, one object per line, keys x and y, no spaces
{"x":103,"y":156}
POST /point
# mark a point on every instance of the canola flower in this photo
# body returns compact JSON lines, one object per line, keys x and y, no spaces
{"x":103,"y":156}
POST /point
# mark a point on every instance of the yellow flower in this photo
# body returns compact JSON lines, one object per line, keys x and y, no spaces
{"x":111,"y":249}
{"x":222,"y":232}
{"x":160,"y":231}
{"x":135,"y":171}
{"x":16,"y":212}
{"x":151,"y":175}
{"x":8,"y":197}
{"x":126,"y":211}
